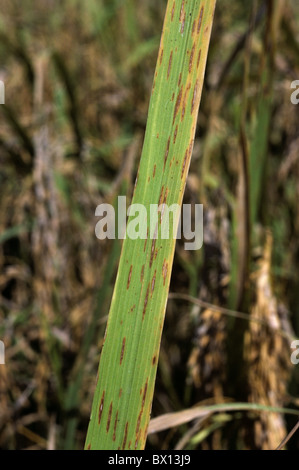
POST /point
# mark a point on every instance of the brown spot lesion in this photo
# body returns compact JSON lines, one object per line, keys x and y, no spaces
{"x":180,"y":79}
{"x":191,"y":58}
{"x":198,"y":58}
{"x":129,"y":277}
{"x":137,"y":431}
{"x":169,"y":64}
{"x":164,"y":271}
{"x":115,"y":426}
{"x":165,"y":195}
{"x":136,"y":441}
{"x":161,"y":196}
{"x":178,"y":103}
{"x":125,"y":436}
{"x":145,"y":302}
{"x":184,"y":105}
{"x":166,"y":152}
{"x":101,"y":407}
{"x":89,"y":447}
{"x":153,"y":282}
{"x":161,"y":55}
{"x":200,"y":20}
{"x":183,"y":23}
{"x":109,"y":418}
{"x":172,"y":11}
{"x":122,"y":350}
{"x":154,"y":360}
{"x":186,"y":158}
{"x":182,"y":10}
{"x":175,"y":134}
{"x":195,"y":96}
{"x":144,"y":394}
{"x":142,"y":273}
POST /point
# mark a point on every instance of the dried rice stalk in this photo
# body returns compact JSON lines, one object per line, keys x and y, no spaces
{"x":268,"y":356}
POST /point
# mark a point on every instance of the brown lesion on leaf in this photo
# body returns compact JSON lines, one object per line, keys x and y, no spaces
{"x":109,"y":418}
{"x":169,"y":64}
{"x":195,"y":96}
{"x":183,"y":108}
{"x":125,"y":436}
{"x":145,"y":242}
{"x":142,"y":273}
{"x":101,"y":407}
{"x":198,"y":58}
{"x":175,"y":134}
{"x":186,"y":158}
{"x":166,"y":152}
{"x":172,"y":11}
{"x":178,"y":103}
{"x":185,"y":100}
{"x":161,"y":196}
{"x":115,"y":426}
{"x":182,"y":10}
{"x":183,"y":23}
{"x":153,"y":282}
{"x":137,"y":431}
{"x":164,"y":271}
{"x":133,"y":308}
{"x":89,"y":447}
{"x":191,"y":58}
{"x":161,"y":56}
{"x":180,"y":79}
{"x":165,"y":195}
{"x":200,"y":20}
{"x":137,"y":439}
{"x":145,"y":302}
{"x":154,"y":171}
{"x":120,"y":392}
{"x":154,"y":360}
{"x":129,"y":277}
{"x":122,"y":350}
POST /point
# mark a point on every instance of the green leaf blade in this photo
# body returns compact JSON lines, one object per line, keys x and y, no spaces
{"x":128,"y":364}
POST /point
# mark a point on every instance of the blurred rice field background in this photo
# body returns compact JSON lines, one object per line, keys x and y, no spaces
{"x":78,"y":78}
